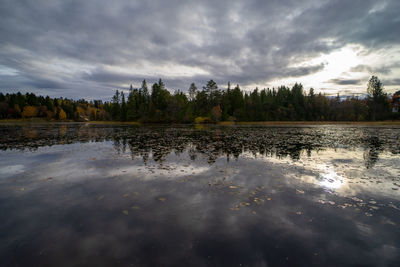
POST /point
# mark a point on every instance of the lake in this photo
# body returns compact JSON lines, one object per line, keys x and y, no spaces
{"x":113,"y":195}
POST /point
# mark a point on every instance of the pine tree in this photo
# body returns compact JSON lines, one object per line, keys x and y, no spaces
{"x":377,"y":99}
{"x":192,"y":92}
{"x":210,"y":87}
{"x":123,"y":107}
{"x":116,"y":108}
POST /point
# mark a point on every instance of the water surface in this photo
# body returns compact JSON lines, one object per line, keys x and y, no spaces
{"x":98,"y":195}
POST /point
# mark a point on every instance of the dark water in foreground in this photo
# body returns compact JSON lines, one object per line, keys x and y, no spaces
{"x":91,"y":195}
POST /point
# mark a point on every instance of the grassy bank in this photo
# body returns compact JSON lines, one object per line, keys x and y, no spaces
{"x":44,"y":121}
{"x":312,"y":123}
{"x":115,"y":122}
{"x":27,"y":121}
{"x":227,"y":123}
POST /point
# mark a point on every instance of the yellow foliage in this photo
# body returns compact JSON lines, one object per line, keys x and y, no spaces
{"x":202,"y":120}
{"x":29,"y":111}
{"x":226,"y":123}
{"x":62,"y":115}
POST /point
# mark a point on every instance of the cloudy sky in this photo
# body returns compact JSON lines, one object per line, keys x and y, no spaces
{"x":90,"y":48}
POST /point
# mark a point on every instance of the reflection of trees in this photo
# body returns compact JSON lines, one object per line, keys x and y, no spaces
{"x":211,"y":142}
{"x":371,"y":154}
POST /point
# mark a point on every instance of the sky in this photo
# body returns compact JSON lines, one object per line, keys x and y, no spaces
{"x":88,"y":49}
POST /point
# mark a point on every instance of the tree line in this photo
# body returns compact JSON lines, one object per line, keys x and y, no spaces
{"x":208,"y":104}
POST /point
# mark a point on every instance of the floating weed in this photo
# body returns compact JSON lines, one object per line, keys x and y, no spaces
{"x":126,"y":195}
{"x":299,"y":212}
{"x":258,"y":201}
{"x":393,"y":206}
{"x":357,"y":199}
{"x":348,"y":205}
{"x":162,"y":199}
{"x":126,"y":212}
{"x":298,"y":191}
{"x":135,"y":208}
{"x":100,"y":197}
{"x":236,"y":207}
{"x":387,"y":221}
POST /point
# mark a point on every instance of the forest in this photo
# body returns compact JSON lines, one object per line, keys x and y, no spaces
{"x":209,"y":104}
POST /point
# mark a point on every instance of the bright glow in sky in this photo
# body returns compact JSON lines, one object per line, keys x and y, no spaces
{"x":340,"y":66}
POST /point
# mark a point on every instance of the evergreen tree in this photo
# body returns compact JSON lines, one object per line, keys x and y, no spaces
{"x":192,"y":91}
{"x":144,"y":91}
{"x":123,"y":107}
{"x":116,"y":108}
{"x":210,"y":87}
{"x":377,"y":99}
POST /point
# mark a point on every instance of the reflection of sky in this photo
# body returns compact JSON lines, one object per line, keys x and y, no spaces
{"x":102,"y":205}
{"x":343,"y":171}
{"x":11,"y":169}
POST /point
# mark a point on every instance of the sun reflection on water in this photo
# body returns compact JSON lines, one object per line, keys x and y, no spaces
{"x":331,"y":179}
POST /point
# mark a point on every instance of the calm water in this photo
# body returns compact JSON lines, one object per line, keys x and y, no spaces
{"x":91,"y":195}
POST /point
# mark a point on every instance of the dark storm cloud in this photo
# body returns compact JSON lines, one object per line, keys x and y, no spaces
{"x":392,"y":82}
{"x":345,"y":81}
{"x":386,"y":69}
{"x":246,"y":42}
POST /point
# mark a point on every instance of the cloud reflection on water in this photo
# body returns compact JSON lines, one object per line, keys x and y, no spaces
{"x":151,"y":196}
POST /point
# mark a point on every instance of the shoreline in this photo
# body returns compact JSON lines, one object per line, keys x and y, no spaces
{"x":222,"y":123}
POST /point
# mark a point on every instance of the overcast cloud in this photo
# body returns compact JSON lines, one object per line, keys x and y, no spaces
{"x":90,"y":48}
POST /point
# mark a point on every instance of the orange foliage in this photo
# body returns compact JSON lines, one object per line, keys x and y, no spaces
{"x":80,"y":111}
{"x":29,"y":111}
{"x":216,"y":113}
{"x":49,"y":114}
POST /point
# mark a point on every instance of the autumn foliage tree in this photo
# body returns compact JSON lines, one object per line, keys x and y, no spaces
{"x":29,"y":111}
{"x":62,"y":115}
{"x":216,"y":113}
